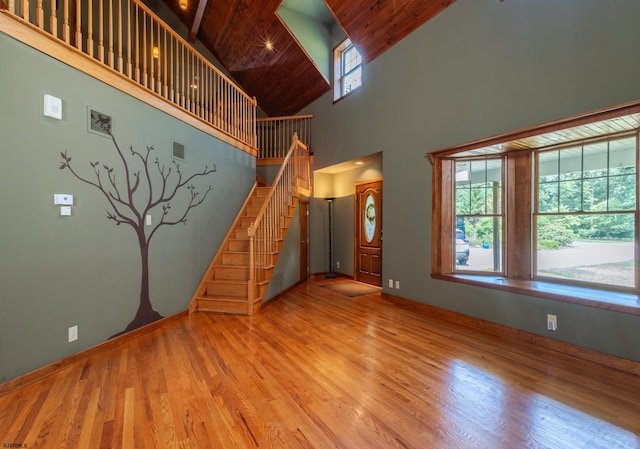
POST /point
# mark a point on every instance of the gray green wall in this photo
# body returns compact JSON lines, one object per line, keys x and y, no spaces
{"x":312,"y":35}
{"x":479,"y":68}
{"x":56,"y":272}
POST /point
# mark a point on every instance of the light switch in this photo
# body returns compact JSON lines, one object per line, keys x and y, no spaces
{"x":65,"y":211}
{"x":52,"y":107}
{"x":147,"y":220}
{"x":63,"y":198}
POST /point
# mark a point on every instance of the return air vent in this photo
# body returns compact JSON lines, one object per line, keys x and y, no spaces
{"x":178,"y":151}
{"x":100,"y":123}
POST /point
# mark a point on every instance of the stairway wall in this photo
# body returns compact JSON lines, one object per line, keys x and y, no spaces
{"x":57,"y":272}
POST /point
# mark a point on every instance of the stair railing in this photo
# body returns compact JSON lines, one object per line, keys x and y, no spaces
{"x":268,"y":230}
{"x":131,"y":42}
{"x":273,"y":134}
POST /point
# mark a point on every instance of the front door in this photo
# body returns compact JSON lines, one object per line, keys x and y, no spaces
{"x":368,"y":222}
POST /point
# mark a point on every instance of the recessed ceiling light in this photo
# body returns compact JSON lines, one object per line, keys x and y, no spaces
{"x":268,"y":45}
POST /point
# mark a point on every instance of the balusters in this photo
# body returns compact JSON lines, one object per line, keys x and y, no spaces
{"x":79,"y":25}
{"x":152,"y":80}
{"x":137,"y":46}
{"x":89,"y":27}
{"x":173,"y":74}
{"x":165,"y":92}
{"x":66,"y":28}
{"x":191,"y":81}
{"x":162,"y":61}
{"x":39,"y":15}
{"x":101,"y":32}
{"x":120,"y":36}
{"x":145,"y":74}
{"x":53,"y":20}
{"x":129,"y":64}
{"x":208,"y":96}
{"x":182,"y":77}
{"x":110,"y":32}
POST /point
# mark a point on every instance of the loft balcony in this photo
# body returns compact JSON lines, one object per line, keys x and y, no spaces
{"x":126,"y":45}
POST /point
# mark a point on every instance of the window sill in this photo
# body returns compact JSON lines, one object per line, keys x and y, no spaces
{"x":603,"y":299}
{"x":348,"y":94}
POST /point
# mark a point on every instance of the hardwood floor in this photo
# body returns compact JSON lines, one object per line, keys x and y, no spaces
{"x":316,"y":369}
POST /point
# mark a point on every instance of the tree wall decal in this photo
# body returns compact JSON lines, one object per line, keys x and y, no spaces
{"x":130,"y":202}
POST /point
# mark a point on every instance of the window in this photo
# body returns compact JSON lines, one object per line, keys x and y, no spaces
{"x":347,"y":69}
{"x":478,"y":215}
{"x":551,"y":206}
{"x":585,"y":212}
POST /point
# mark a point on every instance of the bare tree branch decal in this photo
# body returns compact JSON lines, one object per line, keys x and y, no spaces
{"x":129,"y":206}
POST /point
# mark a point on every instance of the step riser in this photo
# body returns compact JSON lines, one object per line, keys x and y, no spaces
{"x":235,"y":259}
{"x":241,"y":233}
{"x":221,"y":306}
{"x":226,"y":289}
{"x":232,"y":273}
{"x":239,"y":245}
{"x":245,"y":222}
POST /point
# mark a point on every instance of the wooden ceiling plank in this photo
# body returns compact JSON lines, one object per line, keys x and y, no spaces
{"x":286,"y":80}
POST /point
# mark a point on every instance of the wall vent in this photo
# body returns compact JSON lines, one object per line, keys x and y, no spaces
{"x":178,"y":151}
{"x":100,"y":123}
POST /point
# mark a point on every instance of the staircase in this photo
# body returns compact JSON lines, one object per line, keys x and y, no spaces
{"x":239,"y":275}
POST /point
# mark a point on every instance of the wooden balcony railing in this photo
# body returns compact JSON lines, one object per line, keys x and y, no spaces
{"x":274,"y":134}
{"x":128,"y":38}
{"x":268,"y":230}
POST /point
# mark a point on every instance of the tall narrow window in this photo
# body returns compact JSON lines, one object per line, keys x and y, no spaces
{"x":347,"y":68}
{"x":586,"y":207}
{"x":478,"y":215}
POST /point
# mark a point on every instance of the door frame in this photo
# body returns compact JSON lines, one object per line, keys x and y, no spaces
{"x":303,"y":218}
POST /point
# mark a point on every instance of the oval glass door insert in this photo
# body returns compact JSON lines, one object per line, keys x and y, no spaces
{"x":369,"y":218}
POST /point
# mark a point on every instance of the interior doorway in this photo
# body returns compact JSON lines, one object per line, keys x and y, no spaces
{"x":368,"y":232}
{"x":304,"y":240}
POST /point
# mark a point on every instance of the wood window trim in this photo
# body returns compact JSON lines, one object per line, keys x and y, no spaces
{"x":337,"y":71}
{"x":518,"y":148}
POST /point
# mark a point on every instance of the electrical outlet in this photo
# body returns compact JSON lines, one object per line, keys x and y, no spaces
{"x":73,"y":333}
{"x":397,"y":284}
{"x":552,"y":323}
{"x":338,"y":264}
{"x":390,"y":283}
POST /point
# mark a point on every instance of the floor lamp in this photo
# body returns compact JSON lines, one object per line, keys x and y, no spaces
{"x":330,"y":275}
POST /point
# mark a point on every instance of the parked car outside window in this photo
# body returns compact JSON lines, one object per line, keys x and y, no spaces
{"x":462,"y":248}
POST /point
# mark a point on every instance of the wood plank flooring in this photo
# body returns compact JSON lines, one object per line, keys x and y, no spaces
{"x":316,"y":369}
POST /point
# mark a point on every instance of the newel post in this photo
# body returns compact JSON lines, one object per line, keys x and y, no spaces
{"x":251,"y":285}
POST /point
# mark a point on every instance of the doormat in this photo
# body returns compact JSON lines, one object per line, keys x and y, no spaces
{"x":352,"y":288}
